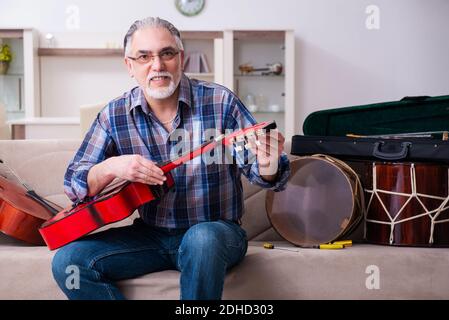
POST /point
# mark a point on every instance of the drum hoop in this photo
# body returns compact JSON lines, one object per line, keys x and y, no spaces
{"x":355,"y":186}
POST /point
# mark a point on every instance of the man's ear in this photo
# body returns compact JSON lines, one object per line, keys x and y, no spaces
{"x":129,"y":66}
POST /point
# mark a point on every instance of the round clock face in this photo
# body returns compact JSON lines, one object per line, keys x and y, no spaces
{"x":190,"y":7}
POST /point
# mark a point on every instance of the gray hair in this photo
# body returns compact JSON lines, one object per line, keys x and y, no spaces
{"x":155,"y":22}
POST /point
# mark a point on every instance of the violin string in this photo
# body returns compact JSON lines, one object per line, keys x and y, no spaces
{"x":15,"y":175}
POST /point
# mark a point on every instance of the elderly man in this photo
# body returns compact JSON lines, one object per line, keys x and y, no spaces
{"x":194,"y":228}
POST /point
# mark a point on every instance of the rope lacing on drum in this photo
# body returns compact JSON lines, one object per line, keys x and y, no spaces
{"x":414,"y":194}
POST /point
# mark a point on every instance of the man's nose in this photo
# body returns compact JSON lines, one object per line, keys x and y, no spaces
{"x":157,"y":63}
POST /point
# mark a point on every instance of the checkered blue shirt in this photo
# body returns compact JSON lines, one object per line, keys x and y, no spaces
{"x":204,"y":190}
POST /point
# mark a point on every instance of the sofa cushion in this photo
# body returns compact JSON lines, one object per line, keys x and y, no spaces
{"x":404,"y":273}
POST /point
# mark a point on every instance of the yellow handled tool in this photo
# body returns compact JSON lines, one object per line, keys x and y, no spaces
{"x":323,"y":246}
{"x":268,"y":245}
{"x":330,"y":246}
{"x":345,"y":243}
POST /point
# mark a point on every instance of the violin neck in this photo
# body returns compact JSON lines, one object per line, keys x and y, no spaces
{"x":205,"y":147}
{"x":33,"y":195}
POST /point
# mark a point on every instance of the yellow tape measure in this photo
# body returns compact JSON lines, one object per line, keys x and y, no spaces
{"x":268,"y":245}
{"x":346,"y":243}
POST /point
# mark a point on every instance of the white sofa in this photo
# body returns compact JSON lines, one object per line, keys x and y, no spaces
{"x":362,"y":271}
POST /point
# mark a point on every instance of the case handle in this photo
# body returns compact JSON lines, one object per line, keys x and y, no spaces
{"x":415,"y":98}
{"x":391,"y":156}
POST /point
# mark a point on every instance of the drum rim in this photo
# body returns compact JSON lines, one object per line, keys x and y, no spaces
{"x":329,"y":160}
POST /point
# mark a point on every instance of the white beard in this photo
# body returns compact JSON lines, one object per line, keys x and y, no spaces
{"x":164,"y":92}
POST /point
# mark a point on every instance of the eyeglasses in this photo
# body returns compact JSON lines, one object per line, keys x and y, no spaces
{"x":164,"y":55}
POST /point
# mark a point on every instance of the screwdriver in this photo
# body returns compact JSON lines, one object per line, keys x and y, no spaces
{"x":322,"y":246}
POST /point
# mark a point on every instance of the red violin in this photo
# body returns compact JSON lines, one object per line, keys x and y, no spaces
{"x":119,"y":201}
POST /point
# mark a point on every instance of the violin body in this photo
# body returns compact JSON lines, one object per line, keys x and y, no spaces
{"x":20,"y":215}
{"x":73,"y":223}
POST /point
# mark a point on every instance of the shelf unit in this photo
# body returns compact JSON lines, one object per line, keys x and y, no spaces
{"x":271,"y":96}
{"x":20,"y":86}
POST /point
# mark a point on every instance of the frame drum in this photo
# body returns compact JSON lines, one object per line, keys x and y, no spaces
{"x":323,"y":202}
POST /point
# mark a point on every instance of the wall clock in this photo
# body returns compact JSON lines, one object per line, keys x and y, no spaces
{"x":190,"y":8}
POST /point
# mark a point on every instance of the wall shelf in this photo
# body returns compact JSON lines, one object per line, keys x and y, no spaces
{"x":200,"y":74}
{"x":81,"y":52}
{"x":259,"y":34}
{"x":94,"y":52}
{"x":11,"y":75}
{"x":281,"y":76}
{"x":11,"y":34}
{"x":201,"y":35}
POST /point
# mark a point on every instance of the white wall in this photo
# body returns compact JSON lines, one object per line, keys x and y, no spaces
{"x":339,"y":61}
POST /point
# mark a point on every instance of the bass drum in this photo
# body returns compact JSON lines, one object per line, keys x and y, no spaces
{"x":323,"y":202}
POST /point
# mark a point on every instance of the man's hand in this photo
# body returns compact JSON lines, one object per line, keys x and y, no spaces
{"x":132,"y":167}
{"x":135,"y":168}
{"x":268,"y":149}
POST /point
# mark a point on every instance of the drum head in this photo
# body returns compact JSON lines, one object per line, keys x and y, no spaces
{"x":317,"y":204}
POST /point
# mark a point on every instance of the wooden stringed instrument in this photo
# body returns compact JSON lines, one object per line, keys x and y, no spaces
{"x":22,"y":211}
{"x":118,"y":202}
{"x":274,"y":68}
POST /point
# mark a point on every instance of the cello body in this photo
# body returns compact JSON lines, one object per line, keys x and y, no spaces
{"x":20,"y":215}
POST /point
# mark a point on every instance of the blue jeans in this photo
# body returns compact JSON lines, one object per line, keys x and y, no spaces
{"x":202,"y":253}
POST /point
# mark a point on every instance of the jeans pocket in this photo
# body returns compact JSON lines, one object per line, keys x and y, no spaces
{"x":238,"y":242}
{"x":238,"y":237}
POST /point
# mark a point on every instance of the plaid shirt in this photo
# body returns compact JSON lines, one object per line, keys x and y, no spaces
{"x":202,"y":192}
